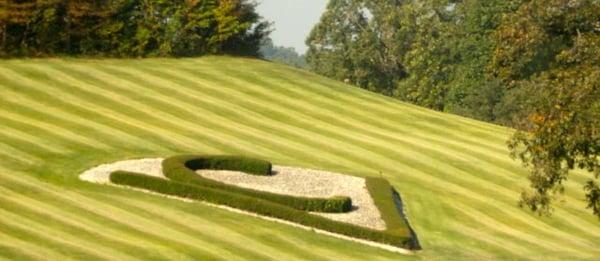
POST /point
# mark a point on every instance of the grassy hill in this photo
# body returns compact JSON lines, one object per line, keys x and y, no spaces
{"x":61,"y":117}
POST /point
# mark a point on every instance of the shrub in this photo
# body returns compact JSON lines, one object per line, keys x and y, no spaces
{"x":182,"y":169}
{"x":260,"y":206}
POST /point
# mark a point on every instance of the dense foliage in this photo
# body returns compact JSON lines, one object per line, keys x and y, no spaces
{"x":280,"y":54}
{"x":182,"y":169}
{"x":432,"y":53}
{"x":529,"y":64}
{"x":130,"y":28}
{"x":549,"y":55}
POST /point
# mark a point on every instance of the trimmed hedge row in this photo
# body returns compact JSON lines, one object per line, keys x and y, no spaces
{"x":244,"y":164}
{"x":382,"y":193}
{"x":214,"y":195}
{"x":182,"y":169}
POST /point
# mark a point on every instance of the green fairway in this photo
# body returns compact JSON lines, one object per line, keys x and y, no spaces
{"x":60,"y":117}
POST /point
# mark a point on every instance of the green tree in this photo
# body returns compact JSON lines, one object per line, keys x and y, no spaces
{"x":280,"y":54}
{"x":471,"y":90}
{"x":3,"y":22}
{"x":131,"y":27}
{"x":432,"y":52}
{"x":354,"y":42}
{"x":549,"y":51}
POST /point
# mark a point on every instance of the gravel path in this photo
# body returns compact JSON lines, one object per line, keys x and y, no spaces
{"x":286,"y":180}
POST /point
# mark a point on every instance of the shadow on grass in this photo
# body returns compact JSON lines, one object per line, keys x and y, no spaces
{"x":414,"y":240}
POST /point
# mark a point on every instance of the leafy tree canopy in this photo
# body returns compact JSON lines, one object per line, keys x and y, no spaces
{"x":130,"y":27}
{"x":550,"y":51}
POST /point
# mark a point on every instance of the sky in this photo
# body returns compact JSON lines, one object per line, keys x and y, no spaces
{"x":293,"y":20}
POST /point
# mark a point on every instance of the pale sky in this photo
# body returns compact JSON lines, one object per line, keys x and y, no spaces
{"x":293,"y":20}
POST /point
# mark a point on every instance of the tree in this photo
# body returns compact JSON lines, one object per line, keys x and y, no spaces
{"x":353,"y":42}
{"x":131,"y":27}
{"x":17,"y":16}
{"x":3,"y":22}
{"x":552,"y":49}
{"x":280,"y":54}
{"x":431,"y":53}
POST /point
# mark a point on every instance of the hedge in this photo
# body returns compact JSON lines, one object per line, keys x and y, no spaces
{"x":183,"y":169}
{"x":392,"y":235}
{"x":382,"y":194}
{"x":234,"y":163}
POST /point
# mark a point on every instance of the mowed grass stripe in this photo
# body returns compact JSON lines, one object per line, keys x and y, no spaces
{"x":8,"y":251}
{"x":306,"y":124}
{"x":15,"y":248}
{"x":390,"y":106}
{"x":18,"y":139}
{"x":52,"y":216}
{"x":356,"y":126}
{"x":7,"y":151}
{"x":314,"y":86}
{"x":69,"y":104}
{"x":117,"y":214}
{"x":222,"y":129}
{"x":510,"y":229}
{"x":310,"y":137}
{"x":365,"y":120}
{"x":339,"y":147}
{"x":215,"y":115}
{"x":289,"y":248}
{"x":64,"y":236}
{"x":204,"y":229}
{"x":237,"y":226}
{"x":108,"y":226}
{"x":170,"y":111}
{"x":56,"y":133}
{"x":26,"y":230}
{"x":72,"y":119}
{"x":309,"y":133}
{"x":319,"y":94}
{"x":86,"y":100}
{"x":119,"y":106}
{"x":508,"y":247}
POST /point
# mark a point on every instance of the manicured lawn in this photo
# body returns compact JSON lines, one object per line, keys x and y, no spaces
{"x":61,"y":117}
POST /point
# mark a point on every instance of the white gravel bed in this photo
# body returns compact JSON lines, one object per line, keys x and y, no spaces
{"x":310,"y":183}
{"x":100,"y":174}
{"x":286,"y":180}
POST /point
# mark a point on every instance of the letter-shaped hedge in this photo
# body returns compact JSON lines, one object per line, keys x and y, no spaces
{"x":183,"y":169}
{"x":184,"y":182}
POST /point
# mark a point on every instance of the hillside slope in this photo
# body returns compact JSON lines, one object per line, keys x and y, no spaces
{"x":60,"y":117}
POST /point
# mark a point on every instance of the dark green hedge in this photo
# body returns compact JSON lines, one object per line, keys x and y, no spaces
{"x":382,"y":194}
{"x":234,"y":163}
{"x":182,"y":169}
{"x":259,"y":206}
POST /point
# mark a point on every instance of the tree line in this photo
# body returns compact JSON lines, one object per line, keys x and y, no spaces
{"x":529,"y":64}
{"x":130,"y":28}
{"x":280,"y":54}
